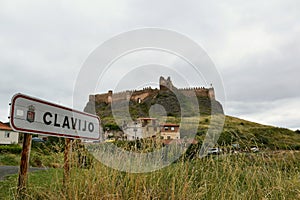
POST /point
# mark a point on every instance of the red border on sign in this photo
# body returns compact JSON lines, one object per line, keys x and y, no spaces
{"x":15,"y":97}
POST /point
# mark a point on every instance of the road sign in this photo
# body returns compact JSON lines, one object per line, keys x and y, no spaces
{"x":32,"y":115}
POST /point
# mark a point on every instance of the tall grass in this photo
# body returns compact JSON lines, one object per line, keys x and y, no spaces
{"x":232,"y":176}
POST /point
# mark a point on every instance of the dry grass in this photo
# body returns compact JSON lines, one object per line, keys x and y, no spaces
{"x":233,"y":176}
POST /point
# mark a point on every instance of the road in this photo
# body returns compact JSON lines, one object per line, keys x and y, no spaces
{"x":8,"y":170}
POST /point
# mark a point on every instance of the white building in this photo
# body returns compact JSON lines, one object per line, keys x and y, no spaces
{"x":142,"y":128}
{"x":7,"y":135}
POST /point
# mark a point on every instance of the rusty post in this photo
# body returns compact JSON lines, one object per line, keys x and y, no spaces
{"x":24,"y":165}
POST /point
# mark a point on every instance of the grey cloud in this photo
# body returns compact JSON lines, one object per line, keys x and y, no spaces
{"x":255,"y":45}
{"x":281,"y":113}
{"x":265,"y":77}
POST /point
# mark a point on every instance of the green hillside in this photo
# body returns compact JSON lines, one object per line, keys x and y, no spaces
{"x":248,"y":133}
{"x":235,"y":130}
{"x":175,"y":105}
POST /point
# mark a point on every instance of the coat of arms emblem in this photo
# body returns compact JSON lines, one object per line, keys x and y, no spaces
{"x":30,"y":114}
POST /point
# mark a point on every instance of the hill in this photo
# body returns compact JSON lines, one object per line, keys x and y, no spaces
{"x":167,"y":99}
{"x":176,"y":103}
{"x":248,"y":133}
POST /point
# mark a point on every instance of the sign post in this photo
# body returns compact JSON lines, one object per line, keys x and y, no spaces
{"x":67,"y":156}
{"x":24,"y":165}
{"x":36,"y":116}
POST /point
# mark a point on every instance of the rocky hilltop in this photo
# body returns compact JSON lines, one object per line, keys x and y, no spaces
{"x":235,"y":131}
{"x":168,"y":96}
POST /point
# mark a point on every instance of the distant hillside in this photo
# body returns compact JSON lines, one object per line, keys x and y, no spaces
{"x":235,"y":130}
{"x":248,"y":133}
{"x":167,"y":99}
{"x":176,"y":102}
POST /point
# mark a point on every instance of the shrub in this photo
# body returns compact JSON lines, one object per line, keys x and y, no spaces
{"x":227,"y":138}
{"x":13,"y":148}
{"x":111,"y":127}
{"x":9,"y":159}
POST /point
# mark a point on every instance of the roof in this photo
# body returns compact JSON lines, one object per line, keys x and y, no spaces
{"x":180,"y":141}
{"x":147,"y":118}
{"x":169,"y":124}
{"x":4,"y":126}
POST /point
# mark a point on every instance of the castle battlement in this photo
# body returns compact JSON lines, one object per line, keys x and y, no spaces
{"x":140,"y":95}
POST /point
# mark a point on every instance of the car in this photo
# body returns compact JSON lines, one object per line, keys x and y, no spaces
{"x":37,"y":139}
{"x":254,"y":149}
{"x":214,"y":151}
{"x":109,"y":140}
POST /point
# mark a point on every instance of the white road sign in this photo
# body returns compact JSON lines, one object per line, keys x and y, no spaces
{"x":32,"y":115}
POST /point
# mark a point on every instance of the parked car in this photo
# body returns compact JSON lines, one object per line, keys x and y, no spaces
{"x":37,"y":139}
{"x":214,"y":151}
{"x":254,"y":149}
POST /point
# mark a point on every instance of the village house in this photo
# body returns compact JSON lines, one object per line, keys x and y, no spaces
{"x":141,"y":128}
{"x":169,"y":131}
{"x":150,"y":127}
{"x":7,"y":135}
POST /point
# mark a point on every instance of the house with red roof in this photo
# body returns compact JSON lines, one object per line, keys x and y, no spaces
{"x":169,"y":131}
{"x":7,"y":135}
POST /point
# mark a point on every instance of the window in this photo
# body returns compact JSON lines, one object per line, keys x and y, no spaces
{"x":139,"y":100}
{"x":7,"y":134}
{"x":153,"y":122}
{"x":172,"y":128}
{"x":168,"y":137}
{"x":166,"y":128}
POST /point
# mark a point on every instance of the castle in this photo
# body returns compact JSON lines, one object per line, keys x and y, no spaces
{"x":140,"y":95}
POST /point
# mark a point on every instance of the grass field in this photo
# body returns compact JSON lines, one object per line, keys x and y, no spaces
{"x":273,"y":173}
{"x":240,"y":131}
{"x":265,"y":175}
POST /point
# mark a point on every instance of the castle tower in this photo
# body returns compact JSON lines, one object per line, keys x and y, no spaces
{"x":165,"y":84}
{"x":211,"y":93}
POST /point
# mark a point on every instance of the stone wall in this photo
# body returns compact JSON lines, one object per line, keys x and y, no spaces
{"x":140,"y":95}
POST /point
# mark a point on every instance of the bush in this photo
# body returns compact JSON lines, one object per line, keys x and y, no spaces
{"x":227,"y":138}
{"x":13,"y":148}
{"x":9,"y":159}
{"x":114,"y":127}
{"x":192,"y":152}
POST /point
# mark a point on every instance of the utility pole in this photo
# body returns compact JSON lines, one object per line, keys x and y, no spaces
{"x":135,"y":130}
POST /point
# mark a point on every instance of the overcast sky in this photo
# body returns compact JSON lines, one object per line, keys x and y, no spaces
{"x":255,"y":46}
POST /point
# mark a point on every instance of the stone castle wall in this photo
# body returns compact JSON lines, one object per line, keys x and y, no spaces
{"x":140,"y":95}
{"x":134,"y":95}
{"x":198,"y":91}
